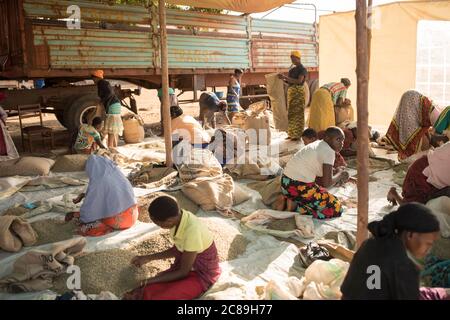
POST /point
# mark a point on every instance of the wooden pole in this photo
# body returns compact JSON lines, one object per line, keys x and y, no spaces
{"x":165,"y":82}
{"x":362,"y":72}
{"x":369,"y":34}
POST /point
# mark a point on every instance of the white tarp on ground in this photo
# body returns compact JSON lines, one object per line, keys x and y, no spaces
{"x":265,"y":258}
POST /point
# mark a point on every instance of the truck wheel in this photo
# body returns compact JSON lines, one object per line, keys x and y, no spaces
{"x":60,"y":116}
{"x":82,"y":110}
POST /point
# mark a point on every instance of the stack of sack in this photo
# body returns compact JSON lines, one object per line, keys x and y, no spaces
{"x":207,"y":185}
{"x":257,"y":124}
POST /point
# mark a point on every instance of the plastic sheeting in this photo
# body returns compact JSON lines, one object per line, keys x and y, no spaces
{"x":246,"y":6}
{"x":393,"y":51}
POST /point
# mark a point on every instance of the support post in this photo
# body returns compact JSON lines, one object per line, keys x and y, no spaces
{"x":165,"y":82}
{"x":362,"y":72}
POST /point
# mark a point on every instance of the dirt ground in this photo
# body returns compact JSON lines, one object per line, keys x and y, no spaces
{"x":148,"y":108}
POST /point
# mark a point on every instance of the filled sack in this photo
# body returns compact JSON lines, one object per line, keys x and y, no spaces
{"x":70,"y":163}
{"x":15,"y":233}
{"x":27,"y":166}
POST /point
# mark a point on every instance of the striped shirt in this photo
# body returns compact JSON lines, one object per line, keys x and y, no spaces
{"x":337,"y":90}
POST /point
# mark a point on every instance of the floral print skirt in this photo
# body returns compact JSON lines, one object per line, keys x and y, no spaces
{"x":311,"y":199}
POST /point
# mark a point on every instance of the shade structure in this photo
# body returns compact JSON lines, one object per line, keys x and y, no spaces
{"x":245,"y":6}
{"x":394,"y":52}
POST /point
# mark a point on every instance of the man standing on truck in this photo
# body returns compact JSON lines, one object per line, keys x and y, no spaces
{"x":113,"y":123}
{"x":209,"y":104}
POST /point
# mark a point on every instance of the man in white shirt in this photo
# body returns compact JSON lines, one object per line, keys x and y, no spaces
{"x":309,"y":172}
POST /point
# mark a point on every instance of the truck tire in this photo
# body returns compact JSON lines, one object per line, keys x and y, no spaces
{"x":60,"y":116}
{"x":82,"y":110}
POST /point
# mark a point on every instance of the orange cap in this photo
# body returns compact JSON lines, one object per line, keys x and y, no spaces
{"x":98,"y":74}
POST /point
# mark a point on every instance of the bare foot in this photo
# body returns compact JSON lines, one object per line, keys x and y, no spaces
{"x":291,"y":206}
{"x":279,"y":204}
{"x":392,"y":196}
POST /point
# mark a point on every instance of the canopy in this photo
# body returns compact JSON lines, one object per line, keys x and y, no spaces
{"x":393,"y":52}
{"x":245,"y":6}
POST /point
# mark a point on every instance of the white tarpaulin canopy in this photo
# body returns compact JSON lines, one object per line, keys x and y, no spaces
{"x":393,"y":51}
{"x":246,"y":6}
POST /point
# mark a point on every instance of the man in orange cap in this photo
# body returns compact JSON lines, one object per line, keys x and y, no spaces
{"x":113,"y":123}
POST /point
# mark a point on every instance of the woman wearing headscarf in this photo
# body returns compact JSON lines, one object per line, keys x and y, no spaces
{"x":427,"y":178}
{"x":295,"y":96}
{"x":8,"y":150}
{"x":323,"y":102}
{"x":186,"y":128}
{"x":409,"y":131}
{"x":113,"y":123}
{"x":386,"y":266}
{"x":109,"y":203}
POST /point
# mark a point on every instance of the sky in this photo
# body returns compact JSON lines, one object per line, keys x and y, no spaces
{"x":305,"y":13}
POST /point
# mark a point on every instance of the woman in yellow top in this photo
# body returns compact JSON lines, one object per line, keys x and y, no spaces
{"x":296,"y":96}
{"x":196,"y":267}
{"x":330,"y":95}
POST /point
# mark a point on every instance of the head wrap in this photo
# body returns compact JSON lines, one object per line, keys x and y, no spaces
{"x":98,"y":74}
{"x":346,"y":82}
{"x":109,"y":192}
{"x":412,"y":217}
{"x":296,"y":53}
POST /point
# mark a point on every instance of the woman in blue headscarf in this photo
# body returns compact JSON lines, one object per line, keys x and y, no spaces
{"x":109,"y":203}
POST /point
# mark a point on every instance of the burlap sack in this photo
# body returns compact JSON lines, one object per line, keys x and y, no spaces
{"x":260,"y":168}
{"x":276,"y":92}
{"x":199,"y":163}
{"x":70,"y":163}
{"x":35,"y":270}
{"x":257,"y":124}
{"x":15,"y":233}
{"x":27,"y":166}
{"x":221,"y":120}
{"x":307,"y":93}
{"x":239,"y":119}
{"x":269,"y":190}
{"x":239,"y":195}
{"x":211,"y":193}
{"x":343,"y":114}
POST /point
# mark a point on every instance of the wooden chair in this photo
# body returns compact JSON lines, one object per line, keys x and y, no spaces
{"x":34,"y":133}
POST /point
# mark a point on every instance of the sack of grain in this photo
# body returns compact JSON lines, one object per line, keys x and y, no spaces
{"x":70,"y":163}
{"x":344,"y":113}
{"x":211,"y":193}
{"x":27,"y":166}
{"x":239,"y":194}
{"x":133,"y":128}
{"x":198,"y":163}
{"x":221,"y":120}
{"x":239,"y":119}
{"x":307,"y":93}
{"x":15,"y":233}
{"x":277,"y":95}
{"x":258,"y":129}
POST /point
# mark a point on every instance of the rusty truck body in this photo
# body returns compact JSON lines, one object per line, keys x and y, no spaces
{"x":38,"y":41}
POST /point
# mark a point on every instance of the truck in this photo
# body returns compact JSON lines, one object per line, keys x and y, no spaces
{"x":63,"y":41}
